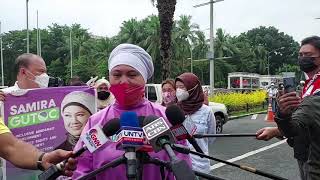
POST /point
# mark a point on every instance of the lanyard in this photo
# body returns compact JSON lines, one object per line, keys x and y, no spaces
{"x":311,"y":82}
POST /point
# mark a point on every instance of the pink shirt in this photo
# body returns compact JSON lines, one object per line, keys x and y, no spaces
{"x":89,"y":162}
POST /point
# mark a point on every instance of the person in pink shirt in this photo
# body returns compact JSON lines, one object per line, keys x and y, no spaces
{"x":129,"y":69}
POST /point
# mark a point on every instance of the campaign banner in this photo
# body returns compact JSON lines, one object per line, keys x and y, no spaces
{"x":48,"y":118}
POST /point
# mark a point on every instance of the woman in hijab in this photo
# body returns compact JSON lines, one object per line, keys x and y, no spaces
{"x":76,"y":108}
{"x":168,"y":89}
{"x":190,"y":99}
{"x":105,"y":98}
{"x":129,"y":69}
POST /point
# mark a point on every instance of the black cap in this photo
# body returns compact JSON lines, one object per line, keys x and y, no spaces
{"x":111,"y":127}
{"x":175,"y":115}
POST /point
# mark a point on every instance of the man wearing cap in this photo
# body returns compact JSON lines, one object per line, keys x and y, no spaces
{"x":130,"y":67}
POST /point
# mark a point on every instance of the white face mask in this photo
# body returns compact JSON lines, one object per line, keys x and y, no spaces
{"x":182,"y":94}
{"x":42,"y":80}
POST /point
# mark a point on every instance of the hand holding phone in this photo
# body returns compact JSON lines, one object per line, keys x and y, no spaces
{"x":289,"y":84}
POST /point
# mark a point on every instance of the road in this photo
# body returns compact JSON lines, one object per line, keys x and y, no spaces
{"x":274,"y":156}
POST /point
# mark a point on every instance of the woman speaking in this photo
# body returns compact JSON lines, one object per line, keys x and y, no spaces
{"x":129,"y":69}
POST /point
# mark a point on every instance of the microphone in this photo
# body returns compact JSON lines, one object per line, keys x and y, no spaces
{"x":176,"y":118}
{"x":146,"y":147}
{"x":186,"y":150}
{"x":160,"y":137}
{"x":224,"y":135}
{"x":93,"y":139}
{"x":129,"y":138}
{"x":157,"y":132}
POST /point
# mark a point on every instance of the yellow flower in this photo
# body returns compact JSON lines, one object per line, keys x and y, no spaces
{"x":238,"y":101}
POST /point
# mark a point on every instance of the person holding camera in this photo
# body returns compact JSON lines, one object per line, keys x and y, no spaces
{"x":304,"y":122}
{"x":297,"y":117}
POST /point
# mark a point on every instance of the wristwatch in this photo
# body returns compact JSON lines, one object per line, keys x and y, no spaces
{"x":39,"y":162}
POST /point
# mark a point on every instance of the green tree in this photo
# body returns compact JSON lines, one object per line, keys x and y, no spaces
{"x":223,"y":48}
{"x":280,"y":47}
{"x":130,"y":32}
{"x":184,"y":36}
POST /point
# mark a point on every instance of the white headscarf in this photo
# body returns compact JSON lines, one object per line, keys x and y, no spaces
{"x":102,"y":81}
{"x":84,"y":98}
{"x":134,"y":56}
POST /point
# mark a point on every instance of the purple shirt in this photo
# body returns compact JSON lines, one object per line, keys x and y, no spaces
{"x":89,"y":162}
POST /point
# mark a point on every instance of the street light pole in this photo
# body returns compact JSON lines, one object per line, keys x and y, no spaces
{"x":191,"y":59}
{"x":70,"y":52}
{"x":211,"y":47}
{"x":211,"y":54}
{"x":38,"y":40}
{"x":27,"y":25}
{"x":268,"y":58}
{"x":2,"y":76}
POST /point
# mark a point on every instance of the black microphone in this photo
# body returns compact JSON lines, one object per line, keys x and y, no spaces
{"x":158,"y":133}
{"x":176,"y":118}
{"x":109,"y":129}
{"x":140,"y":120}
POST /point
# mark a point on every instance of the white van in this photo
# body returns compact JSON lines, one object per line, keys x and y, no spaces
{"x":153,"y":94}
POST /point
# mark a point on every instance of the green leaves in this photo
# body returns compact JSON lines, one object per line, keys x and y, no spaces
{"x":249,"y":51}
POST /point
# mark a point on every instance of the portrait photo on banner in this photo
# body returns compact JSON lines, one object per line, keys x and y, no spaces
{"x":48,"y":118}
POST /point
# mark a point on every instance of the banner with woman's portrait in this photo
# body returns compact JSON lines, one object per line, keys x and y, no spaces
{"x":51,"y":118}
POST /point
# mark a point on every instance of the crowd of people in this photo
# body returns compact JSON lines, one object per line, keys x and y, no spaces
{"x":129,"y":68}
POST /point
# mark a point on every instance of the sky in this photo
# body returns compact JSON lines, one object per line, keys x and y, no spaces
{"x":104,"y":17}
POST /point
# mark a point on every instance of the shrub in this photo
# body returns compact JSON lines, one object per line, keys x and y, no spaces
{"x":239,"y":101}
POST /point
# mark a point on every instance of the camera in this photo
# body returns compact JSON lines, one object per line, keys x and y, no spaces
{"x":55,"y":82}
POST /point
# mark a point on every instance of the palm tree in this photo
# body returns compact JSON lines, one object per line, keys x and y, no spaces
{"x":201,"y":45}
{"x":151,"y":42}
{"x":185,"y":36}
{"x":166,"y":9}
{"x":223,"y":46}
{"x":130,"y":32}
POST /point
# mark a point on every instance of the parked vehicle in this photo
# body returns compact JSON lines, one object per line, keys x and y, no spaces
{"x":153,"y":94}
